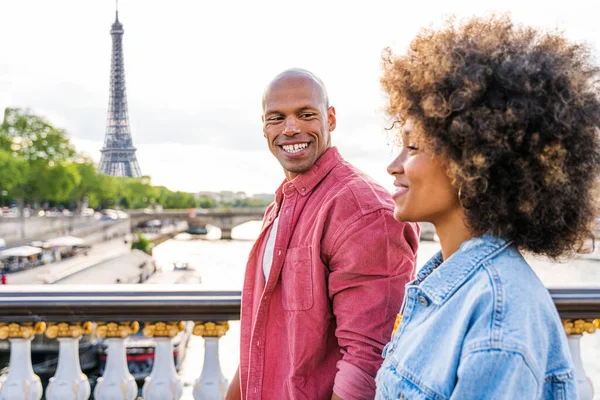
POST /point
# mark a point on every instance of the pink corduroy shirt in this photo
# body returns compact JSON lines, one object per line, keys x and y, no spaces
{"x":336,"y":284}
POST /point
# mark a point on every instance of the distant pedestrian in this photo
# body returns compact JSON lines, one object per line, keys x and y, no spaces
{"x":2,"y":278}
{"x":499,"y":127}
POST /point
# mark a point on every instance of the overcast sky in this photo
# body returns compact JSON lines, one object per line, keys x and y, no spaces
{"x":196,"y":70}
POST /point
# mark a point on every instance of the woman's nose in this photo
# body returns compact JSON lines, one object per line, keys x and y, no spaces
{"x":397,"y":165}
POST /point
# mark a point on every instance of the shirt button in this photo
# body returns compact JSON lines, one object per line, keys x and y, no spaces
{"x":258,"y":343}
{"x":255,"y":390}
{"x":423,"y":300}
{"x":304,"y":189}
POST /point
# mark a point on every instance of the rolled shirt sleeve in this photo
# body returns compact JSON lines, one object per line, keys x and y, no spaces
{"x":371,"y":261}
{"x":495,"y":374}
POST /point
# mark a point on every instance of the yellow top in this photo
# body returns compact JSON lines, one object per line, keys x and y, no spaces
{"x":397,"y":324}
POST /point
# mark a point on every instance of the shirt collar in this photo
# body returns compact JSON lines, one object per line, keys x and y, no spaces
{"x":439,"y":279}
{"x":306,"y":182}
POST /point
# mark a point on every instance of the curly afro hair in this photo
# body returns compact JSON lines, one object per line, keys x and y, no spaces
{"x":515,"y":114}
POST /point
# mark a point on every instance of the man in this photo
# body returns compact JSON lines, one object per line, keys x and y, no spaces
{"x":325,"y":279}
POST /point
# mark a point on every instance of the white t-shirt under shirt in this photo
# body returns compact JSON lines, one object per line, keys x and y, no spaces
{"x":269,"y":249}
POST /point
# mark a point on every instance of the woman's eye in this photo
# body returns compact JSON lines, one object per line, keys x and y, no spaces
{"x":411,"y":147}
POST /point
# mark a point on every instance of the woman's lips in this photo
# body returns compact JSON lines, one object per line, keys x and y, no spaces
{"x":401,"y":191}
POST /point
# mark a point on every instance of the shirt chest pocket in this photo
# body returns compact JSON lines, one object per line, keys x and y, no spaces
{"x":296,"y":277}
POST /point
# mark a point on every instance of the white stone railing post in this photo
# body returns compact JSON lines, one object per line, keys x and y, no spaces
{"x":116,"y":381}
{"x":69,"y":383}
{"x":21,"y":382}
{"x":211,"y":385}
{"x":163,"y":382}
{"x":574,"y":330}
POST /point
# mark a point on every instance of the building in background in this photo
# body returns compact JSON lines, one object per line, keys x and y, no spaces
{"x":118,"y":154}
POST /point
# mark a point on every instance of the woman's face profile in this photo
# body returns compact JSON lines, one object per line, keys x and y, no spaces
{"x":424,"y":192}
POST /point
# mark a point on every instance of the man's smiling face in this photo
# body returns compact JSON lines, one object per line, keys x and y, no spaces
{"x":297,"y":122}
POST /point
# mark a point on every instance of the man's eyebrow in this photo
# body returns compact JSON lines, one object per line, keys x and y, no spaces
{"x":307,"y":108}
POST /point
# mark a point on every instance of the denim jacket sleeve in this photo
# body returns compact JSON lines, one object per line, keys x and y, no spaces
{"x":371,"y":261}
{"x":492,"y":374}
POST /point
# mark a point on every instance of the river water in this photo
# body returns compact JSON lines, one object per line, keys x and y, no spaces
{"x":221,"y":266}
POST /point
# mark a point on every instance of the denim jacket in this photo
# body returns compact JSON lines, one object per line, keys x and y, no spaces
{"x":480,"y":325}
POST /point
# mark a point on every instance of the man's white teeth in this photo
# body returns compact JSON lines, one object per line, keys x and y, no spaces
{"x":294,"y":148}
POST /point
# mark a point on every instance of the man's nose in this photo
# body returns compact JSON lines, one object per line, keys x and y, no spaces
{"x":290,"y":126}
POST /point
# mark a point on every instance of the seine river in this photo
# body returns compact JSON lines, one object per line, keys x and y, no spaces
{"x":221,"y":266}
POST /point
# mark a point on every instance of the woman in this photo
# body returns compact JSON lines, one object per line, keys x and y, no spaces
{"x":501,"y":152}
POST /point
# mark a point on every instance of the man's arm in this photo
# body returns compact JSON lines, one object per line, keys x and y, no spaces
{"x":370,"y":262}
{"x":234,"y":391}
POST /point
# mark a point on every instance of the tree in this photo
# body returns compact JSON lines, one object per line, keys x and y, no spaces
{"x":32,"y":137}
{"x":42,"y":147}
{"x":89,"y":185}
{"x":39,"y":163}
{"x":207,"y":202}
{"x":13,"y":171}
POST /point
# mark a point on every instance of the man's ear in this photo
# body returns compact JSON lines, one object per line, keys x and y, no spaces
{"x":331,"y":118}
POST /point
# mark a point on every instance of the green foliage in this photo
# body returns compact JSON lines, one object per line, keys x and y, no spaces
{"x":206,"y":202}
{"x":12,"y":172}
{"x":39,"y":164}
{"x":33,"y":138}
{"x":251,"y":203}
{"x":140,"y":242}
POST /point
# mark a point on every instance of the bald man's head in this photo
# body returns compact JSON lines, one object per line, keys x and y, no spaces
{"x":297,"y":120}
{"x":300,"y":75}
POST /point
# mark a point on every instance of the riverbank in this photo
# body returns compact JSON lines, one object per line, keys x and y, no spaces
{"x":53,"y":272}
{"x":109,"y":260}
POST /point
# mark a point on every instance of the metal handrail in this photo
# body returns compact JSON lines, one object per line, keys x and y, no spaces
{"x":102,"y":303}
{"x":31,"y":303}
{"x":577,"y":303}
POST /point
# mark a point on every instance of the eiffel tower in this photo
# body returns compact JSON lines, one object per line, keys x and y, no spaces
{"x":118,"y":154}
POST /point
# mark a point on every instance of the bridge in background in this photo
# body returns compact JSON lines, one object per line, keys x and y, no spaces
{"x":224,"y":218}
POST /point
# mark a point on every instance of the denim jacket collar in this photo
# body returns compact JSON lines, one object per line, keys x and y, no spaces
{"x":306,"y":182}
{"x":439,"y":279}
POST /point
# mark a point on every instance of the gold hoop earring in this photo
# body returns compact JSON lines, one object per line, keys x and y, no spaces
{"x":460,"y":197}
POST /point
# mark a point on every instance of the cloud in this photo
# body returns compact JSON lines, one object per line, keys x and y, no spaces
{"x":83,"y":115}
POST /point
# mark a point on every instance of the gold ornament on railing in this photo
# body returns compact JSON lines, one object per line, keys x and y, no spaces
{"x":211,"y":329}
{"x":68,"y":330}
{"x":116,"y":330}
{"x":162,"y":329}
{"x":23,"y":330}
{"x":579,"y":326}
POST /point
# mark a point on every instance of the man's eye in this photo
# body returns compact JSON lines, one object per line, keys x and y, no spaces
{"x":275,"y":119}
{"x":307,"y":115}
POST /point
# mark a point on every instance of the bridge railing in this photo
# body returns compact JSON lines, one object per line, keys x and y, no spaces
{"x":114,"y":312}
